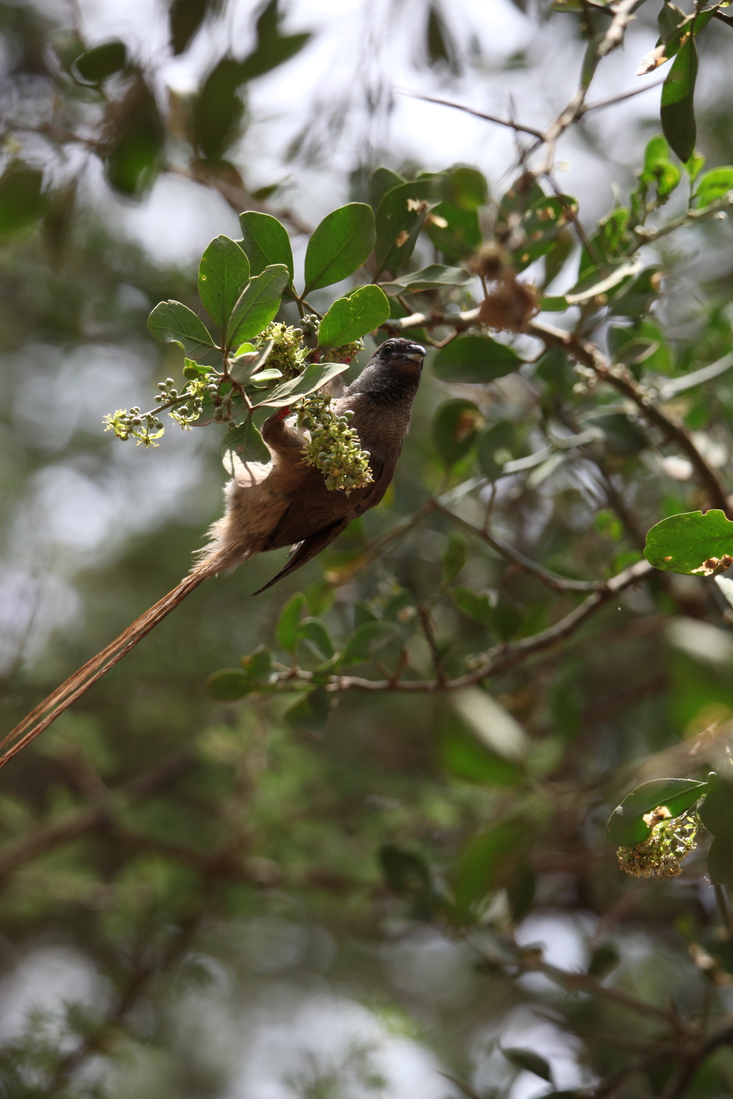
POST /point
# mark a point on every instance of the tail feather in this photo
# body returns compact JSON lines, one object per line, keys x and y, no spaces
{"x":80,"y":682}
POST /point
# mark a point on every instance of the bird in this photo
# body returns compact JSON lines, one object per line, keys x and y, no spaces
{"x":269,"y":506}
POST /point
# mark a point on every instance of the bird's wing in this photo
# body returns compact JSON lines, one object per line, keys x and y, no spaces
{"x":308,"y":548}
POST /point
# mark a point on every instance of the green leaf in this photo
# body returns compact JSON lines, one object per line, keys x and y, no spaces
{"x":399,"y":219}
{"x":488,"y":863}
{"x":133,"y":152}
{"x":454,"y":557}
{"x":382,"y":180}
{"x":288,"y":624}
{"x":228,"y":685}
{"x":318,"y":635}
{"x":246,"y":443}
{"x":716,"y":812}
{"x":455,"y":230}
{"x":223,"y":270}
{"x":21,"y":200}
{"x":603,"y":960}
{"x":659,"y":168}
{"x":626,"y":826}
{"x":464,"y":187}
{"x":634,"y":298}
{"x":684,"y":543}
{"x":433,"y":277}
{"x":677,"y":110}
{"x":528,"y":1061}
{"x":720,"y":862}
{"x":496,"y":447}
{"x":175,"y":323}
{"x":185,"y":18}
{"x":406,"y":874}
{"x":98,"y":64}
{"x":640,"y":346}
{"x":314,"y":377}
{"x":258,"y":304}
{"x":714,"y":185}
{"x":441,"y":48}
{"x":363,"y":613}
{"x":367,"y":640}
{"x":475,"y":359}
{"x":540,"y":228}
{"x":265,"y":241}
{"x":339,"y":246}
{"x":454,"y":429}
{"x":597,"y":280}
{"x":273,"y":48}
{"x":478,"y":741}
{"x":501,"y":616}
{"x":352,"y":316}
{"x":218,"y":109}
{"x":310,"y":713}
{"x":258,"y":664}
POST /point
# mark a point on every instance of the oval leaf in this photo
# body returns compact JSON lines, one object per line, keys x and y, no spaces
{"x":247,"y":444}
{"x":433,"y":277}
{"x":223,"y":271}
{"x":258,"y":304}
{"x":175,"y":323}
{"x":368,"y":640}
{"x":351,"y":317}
{"x":677,"y":111}
{"x":341,"y":243}
{"x":21,"y":200}
{"x":714,"y":185}
{"x":454,"y":429}
{"x":95,"y":65}
{"x":313,"y":377}
{"x":399,"y":219}
{"x":489,"y":862}
{"x":626,"y":826}
{"x":476,"y":360}
{"x":288,"y":624}
{"x":265,"y":241}
{"x":528,"y":1061}
{"x":228,"y":685}
{"x":690,"y":543}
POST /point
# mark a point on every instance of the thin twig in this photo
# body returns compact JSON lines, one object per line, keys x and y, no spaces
{"x":621,"y":379}
{"x":554,"y":580}
{"x":509,"y":123}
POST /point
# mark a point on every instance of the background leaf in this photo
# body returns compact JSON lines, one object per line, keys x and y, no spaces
{"x":475,"y":359}
{"x":678,"y":110}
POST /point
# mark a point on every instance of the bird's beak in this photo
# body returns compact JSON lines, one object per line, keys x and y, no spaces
{"x":417,"y":354}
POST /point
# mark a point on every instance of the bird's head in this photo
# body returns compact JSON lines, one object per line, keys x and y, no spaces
{"x":400,"y":355}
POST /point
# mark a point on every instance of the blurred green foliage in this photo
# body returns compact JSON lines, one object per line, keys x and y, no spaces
{"x":378,"y":794}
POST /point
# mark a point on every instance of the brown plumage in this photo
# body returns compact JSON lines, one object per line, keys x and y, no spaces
{"x":268,"y":507}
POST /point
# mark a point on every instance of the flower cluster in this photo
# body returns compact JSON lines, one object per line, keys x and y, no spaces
{"x":143,"y":426}
{"x":288,"y":353}
{"x":185,"y":408}
{"x":334,"y":447}
{"x":662,"y":853}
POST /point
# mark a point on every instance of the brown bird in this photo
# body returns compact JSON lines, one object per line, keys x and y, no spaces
{"x":285,"y":503}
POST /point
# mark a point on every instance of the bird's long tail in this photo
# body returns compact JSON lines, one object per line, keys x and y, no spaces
{"x":80,"y":682}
